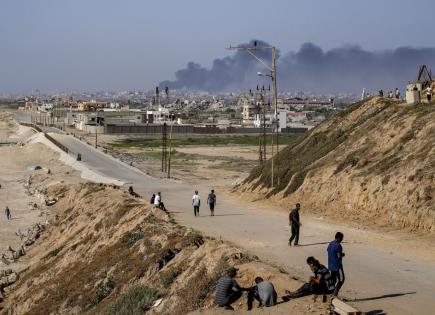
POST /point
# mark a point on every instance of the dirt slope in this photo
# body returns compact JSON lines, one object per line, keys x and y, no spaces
{"x":373,"y":162}
{"x":109,"y":253}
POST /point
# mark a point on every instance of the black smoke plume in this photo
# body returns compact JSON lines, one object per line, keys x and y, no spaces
{"x":347,"y":68}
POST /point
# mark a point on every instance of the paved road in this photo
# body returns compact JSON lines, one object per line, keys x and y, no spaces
{"x":378,"y":278}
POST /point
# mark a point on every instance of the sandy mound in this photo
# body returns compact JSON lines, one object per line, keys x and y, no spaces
{"x":372,"y":163}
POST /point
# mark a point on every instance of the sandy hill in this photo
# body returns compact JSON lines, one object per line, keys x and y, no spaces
{"x":373,"y":162}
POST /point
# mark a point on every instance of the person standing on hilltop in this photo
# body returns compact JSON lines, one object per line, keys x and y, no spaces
{"x":196,"y":202}
{"x":211,"y":200}
{"x":335,"y":264}
{"x":295,"y":224}
{"x":8,"y":213}
{"x":429,"y":94}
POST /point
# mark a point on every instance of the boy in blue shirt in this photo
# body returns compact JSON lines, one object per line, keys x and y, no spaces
{"x":335,"y":264}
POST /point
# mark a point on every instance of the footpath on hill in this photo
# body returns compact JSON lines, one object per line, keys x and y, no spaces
{"x":389,"y":272}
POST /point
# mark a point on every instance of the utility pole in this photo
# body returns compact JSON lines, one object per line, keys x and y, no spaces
{"x":261,"y":108}
{"x":164,"y":147}
{"x":172,"y":117}
{"x":272,"y":68}
{"x":170,"y":133}
{"x":96,"y":128}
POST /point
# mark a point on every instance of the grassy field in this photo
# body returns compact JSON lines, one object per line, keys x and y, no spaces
{"x":203,"y":140}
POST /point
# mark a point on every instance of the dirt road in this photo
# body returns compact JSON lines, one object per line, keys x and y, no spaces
{"x":384,"y":272}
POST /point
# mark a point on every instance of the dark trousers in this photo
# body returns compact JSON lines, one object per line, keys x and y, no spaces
{"x":196,"y":210}
{"x":211,"y":204}
{"x":308,"y":289}
{"x":162,"y":206}
{"x":233,"y":297}
{"x":338,"y":276}
{"x":253,"y":294}
{"x":8,"y":215}
{"x":295,"y":234}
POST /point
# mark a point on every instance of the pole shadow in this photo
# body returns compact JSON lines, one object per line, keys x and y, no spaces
{"x":312,"y":244}
{"x":385,"y":296}
{"x":228,"y":215}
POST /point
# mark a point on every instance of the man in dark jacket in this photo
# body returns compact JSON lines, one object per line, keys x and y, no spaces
{"x":295,"y":224}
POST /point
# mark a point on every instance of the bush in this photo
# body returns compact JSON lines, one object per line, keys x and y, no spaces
{"x":135,"y":301}
{"x":130,"y":238}
{"x":104,"y":288}
{"x":169,"y":276}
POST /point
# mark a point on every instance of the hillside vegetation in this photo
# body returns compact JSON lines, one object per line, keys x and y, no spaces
{"x":374,"y":162}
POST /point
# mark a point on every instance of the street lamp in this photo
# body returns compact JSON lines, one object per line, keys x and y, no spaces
{"x":272,"y":75}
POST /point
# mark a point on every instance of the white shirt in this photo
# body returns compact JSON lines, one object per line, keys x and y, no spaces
{"x":157,"y":200}
{"x":196,"y":200}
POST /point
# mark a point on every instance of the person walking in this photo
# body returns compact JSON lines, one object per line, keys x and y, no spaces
{"x":211,"y":200}
{"x":335,"y":263}
{"x":8,"y":213}
{"x":196,"y":202}
{"x":295,"y":224}
{"x":397,"y":93}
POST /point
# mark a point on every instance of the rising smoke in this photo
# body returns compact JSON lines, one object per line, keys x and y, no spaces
{"x":348,"y":68}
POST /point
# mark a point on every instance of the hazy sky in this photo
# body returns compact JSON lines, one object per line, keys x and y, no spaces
{"x":135,"y":44}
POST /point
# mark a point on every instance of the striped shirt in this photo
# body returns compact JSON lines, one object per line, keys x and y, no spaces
{"x":224,"y":288}
{"x":325,"y":277}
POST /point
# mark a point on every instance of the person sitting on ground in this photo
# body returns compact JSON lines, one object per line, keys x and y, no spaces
{"x":153,"y":197}
{"x":225,"y":293}
{"x":264,"y":292}
{"x":321,"y":284}
{"x":158,"y":202}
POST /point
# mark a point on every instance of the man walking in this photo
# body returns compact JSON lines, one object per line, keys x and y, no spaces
{"x":335,"y":264}
{"x":211,"y":200}
{"x":8,"y":213}
{"x":295,"y":224}
{"x":196,"y":202}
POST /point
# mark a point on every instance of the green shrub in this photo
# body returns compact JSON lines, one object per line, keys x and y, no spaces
{"x":169,"y":276}
{"x":103,"y":290}
{"x":135,"y":301}
{"x":130,"y":238}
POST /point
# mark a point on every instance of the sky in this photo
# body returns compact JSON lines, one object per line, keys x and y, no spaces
{"x":136,"y":44}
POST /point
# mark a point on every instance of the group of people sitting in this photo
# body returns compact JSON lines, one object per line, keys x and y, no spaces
{"x":323,"y":282}
{"x":228,"y":291}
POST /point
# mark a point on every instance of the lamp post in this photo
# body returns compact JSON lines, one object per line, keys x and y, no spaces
{"x":272,"y":75}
